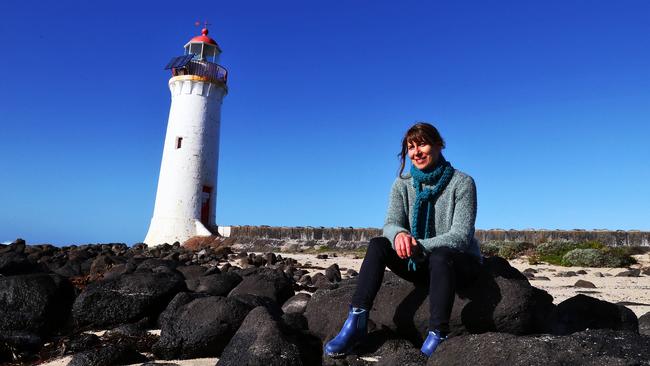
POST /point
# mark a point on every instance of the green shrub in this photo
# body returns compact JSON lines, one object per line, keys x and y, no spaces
{"x":585,"y":254}
{"x":533,"y":259}
{"x":584,"y":258}
{"x":513,"y":249}
{"x":504,"y":249}
{"x":553,"y":252}
{"x":490,"y":248}
{"x":618,"y":256}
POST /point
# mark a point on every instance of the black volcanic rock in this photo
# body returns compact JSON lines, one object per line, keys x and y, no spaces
{"x":404,"y":356}
{"x":271,"y":283}
{"x":328,"y":309}
{"x":217,"y":284}
{"x":126,"y":299}
{"x":260,"y":342}
{"x":584,"y":284}
{"x":295,"y":321}
{"x":351,"y":272}
{"x":175,"y":304}
{"x":19,"y":346}
{"x":254,"y":301}
{"x":79,"y":343}
{"x":584,"y":312}
{"x":107,"y":356}
{"x":156,"y":264}
{"x":644,"y":324}
{"x":270,"y":258}
{"x":632,"y":272}
{"x":593,"y":347}
{"x":333,"y":273}
{"x":101,"y":264}
{"x":501,"y":300}
{"x":13,"y":260}
{"x":34,"y":303}
{"x":297,"y":303}
{"x":195,"y":325}
{"x":191,"y":272}
{"x":18,"y":246}
{"x":321,"y":281}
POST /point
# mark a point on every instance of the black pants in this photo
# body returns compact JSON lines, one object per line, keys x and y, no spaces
{"x":444,"y":271}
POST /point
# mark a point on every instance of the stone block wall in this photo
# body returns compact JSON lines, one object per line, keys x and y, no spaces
{"x":347,"y":238}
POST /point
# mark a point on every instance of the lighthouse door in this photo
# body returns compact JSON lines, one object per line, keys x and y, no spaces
{"x":206,"y":200}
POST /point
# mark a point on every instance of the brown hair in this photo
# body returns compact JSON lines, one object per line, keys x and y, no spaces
{"x":419,"y":132}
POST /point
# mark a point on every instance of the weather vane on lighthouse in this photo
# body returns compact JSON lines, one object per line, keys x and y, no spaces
{"x":205,"y":24}
{"x":187,"y":185}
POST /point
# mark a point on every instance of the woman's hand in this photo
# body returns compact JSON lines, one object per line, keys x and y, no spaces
{"x":404,"y":244}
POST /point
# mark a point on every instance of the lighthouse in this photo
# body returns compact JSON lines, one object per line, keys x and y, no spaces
{"x":187,"y":185}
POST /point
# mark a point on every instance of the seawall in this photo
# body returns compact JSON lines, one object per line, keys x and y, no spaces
{"x":292,"y":238}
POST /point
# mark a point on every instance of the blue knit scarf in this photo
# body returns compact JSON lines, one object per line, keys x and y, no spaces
{"x":423,"y":223}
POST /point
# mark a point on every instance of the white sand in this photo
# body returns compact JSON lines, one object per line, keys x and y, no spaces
{"x":610,"y":288}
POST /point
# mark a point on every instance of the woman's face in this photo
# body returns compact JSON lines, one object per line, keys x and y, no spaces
{"x":422,"y":154}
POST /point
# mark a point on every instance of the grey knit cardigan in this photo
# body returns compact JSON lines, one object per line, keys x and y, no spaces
{"x":455,"y":211}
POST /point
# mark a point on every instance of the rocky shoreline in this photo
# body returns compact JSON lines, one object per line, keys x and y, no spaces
{"x":209,"y":303}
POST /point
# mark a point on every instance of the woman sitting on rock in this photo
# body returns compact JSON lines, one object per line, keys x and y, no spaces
{"x":428,"y":238}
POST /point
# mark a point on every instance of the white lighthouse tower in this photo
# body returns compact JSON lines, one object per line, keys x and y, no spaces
{"x":187,"y":186}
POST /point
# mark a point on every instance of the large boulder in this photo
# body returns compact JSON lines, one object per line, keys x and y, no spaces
{"x":259,"y":341}
{"x":593,"y":347}
{"x":126,"y":299}
{"x":157,"y":265}
{"x":297,"y":303}
{"x":255,"y":300}
{"x":108,"y":356}
{"x":102,"y":264}
{"x":192,"y":272}
{"x":219,"y":284}
{"x":267,"y":282}
{"x":584,"y":312}
{"x":501,"y":299}
{"x":14,"y":260}
{"x":196,"y":325}
{"x":76,"y":261}
{"x":644,"y":324}
{"x":328,"y":309}
{"x":34,"y":303}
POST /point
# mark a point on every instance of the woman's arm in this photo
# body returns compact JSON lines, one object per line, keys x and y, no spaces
{"x":461,"y":233}
{"x":396,"y":217}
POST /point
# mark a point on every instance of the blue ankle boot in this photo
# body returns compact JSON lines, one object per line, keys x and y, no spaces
{"x":431,"y":343}
{"x":353,"y":330}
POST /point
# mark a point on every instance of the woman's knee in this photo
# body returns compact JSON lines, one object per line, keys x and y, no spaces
{"x":441,"y":257}
{"x":379,"y":243}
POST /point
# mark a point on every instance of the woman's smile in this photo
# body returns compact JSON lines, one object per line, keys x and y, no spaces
{"x":422,"y":154}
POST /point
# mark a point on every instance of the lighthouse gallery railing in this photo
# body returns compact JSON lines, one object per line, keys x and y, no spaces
{"x":203,"y":68}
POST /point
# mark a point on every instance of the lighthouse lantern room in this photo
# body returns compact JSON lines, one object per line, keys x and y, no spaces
{"x":203,"y":47}
{"x":187,"y":185}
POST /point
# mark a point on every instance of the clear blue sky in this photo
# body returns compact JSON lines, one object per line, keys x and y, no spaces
{"x":545,"y":103}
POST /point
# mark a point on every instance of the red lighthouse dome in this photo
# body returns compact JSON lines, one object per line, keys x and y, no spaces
{"x":204,"y":47}
{"x":204,"y":38}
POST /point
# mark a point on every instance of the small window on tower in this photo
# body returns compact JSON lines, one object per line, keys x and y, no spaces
{"x":179,"y":142}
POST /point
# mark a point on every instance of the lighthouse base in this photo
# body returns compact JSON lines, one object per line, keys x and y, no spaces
{"x":173,"y":229}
